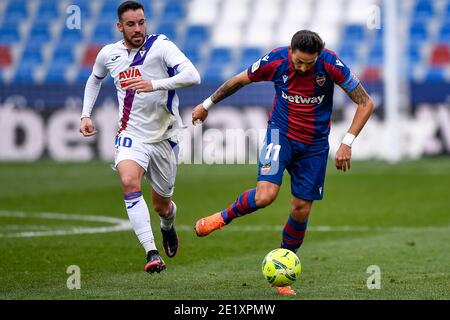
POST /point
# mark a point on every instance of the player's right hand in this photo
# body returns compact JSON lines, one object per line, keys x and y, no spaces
{"x":87,"y":127}
{"x":199,"y":114}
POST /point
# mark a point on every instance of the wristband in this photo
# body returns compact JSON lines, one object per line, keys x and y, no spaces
{"x":208,"y":103}
{"x":348,"y":139}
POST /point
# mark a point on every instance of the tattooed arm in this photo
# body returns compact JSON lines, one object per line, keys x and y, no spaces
{"x":225,"y":90}
{"x":362,"y":114}
{"x":364,"y":110}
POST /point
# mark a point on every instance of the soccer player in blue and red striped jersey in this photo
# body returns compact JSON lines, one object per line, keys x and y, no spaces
{"x":304,"y":75}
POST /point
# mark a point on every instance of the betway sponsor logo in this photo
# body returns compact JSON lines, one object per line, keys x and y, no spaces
{"x":129,"y":74}
{"x":302,"y":100}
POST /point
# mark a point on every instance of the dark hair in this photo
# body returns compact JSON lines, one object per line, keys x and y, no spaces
{"x":307,"y":41}
{"x":128,"y":5}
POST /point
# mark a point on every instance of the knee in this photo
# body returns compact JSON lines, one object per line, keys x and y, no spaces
{"x":300,"y":210}
{"x":130,"y":183}
{"x":265,"y":197}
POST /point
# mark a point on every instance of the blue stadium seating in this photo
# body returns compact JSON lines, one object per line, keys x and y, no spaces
{"x":197,"y":37}
{"x":24,"y":74}
{"x":169,"y":29}
{"x":444,"y":33}
{"x":56,"y":73}
{"x":435,"y":75}
{"x":16,"y":11}
{"x":418,"y":33}
{"x":40,"y":33}
{"x":248,"y":56}
{"x":173,"y":11}
{"x":353,"y":33}
{"x":48,"y":10}
{"x":423,"y":10}
{"x":9,"y":34}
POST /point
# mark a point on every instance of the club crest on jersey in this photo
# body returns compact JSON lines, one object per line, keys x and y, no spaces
{"x":131,"y":73}
{"x":320,"y":79}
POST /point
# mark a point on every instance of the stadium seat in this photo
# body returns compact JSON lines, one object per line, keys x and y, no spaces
{"x":423,"y":10}
{"x":248,"y":57}
{"x":169,"y":29}
{"x":202,"y":12}
{"x":24,"y":74}
{"x":56,"y":73}
{"x":414,"y":51}
{"x":196,"y":35}
{"x":90,"y":55}
{"x":17,"y":10}
{"x":353,"y":33}
{"x":418,"y":33}
{"x":435,"y":74}
{"x":48,"y":9}
{"x":174,"y":11}
{"x":444,"y":33}
{"x":109,"y":11}
{"x":371,"y":74}
{"x":5,"y":57}
{"x":70,"y":37}
{"x":220,"y":56}
{"x":40,"y":33}
{"x":31,"y":57}
{"x":440,"y":55}
{"x":213,"y":73}
{"x":103,"y":32}
{"x":375,"y":57}
{"x":63,"y":55}
{"x":83,"y":74}
{"x":9,"y":34}
{"x":193,"y":54}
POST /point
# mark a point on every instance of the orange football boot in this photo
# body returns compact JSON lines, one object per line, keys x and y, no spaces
{"x":206,"y":225}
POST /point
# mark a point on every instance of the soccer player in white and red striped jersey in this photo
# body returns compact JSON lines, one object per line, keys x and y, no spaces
{"x":146,"y":70}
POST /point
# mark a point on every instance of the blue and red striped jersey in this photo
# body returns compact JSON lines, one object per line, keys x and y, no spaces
{"x":303,"y":103}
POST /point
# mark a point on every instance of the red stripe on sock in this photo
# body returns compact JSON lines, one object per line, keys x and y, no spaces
{"x":294,"y":233}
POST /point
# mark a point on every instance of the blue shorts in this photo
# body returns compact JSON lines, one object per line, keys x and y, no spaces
{"x":305,"y":163}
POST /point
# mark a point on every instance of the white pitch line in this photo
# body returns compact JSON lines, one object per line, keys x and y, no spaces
{"x":124,"y":225}
{"x":118,"y":224}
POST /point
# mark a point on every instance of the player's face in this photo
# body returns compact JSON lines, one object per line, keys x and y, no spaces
{"x":133,"y":27}
{"x":303,"y":61}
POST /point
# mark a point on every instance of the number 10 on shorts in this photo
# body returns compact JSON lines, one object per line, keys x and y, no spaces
{"x":123,"y":142}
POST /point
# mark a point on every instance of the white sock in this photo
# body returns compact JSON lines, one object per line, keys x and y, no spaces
{"x":166,"y":223}
{"x":140,"y":220}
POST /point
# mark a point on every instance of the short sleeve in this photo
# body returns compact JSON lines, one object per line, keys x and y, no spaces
{"x":99,"y":70}
{"x":341,"y":73}
{"x":172,"y":55}
{"x":265,"y":68}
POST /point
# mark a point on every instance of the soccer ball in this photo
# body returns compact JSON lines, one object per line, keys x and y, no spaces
{"x":281,"y":267}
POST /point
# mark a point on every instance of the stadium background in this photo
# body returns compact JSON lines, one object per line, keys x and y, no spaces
{"x":390,"y":209}
{"x":47,"y":57}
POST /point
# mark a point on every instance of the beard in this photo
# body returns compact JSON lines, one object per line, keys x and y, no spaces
{"x":135,"y":40}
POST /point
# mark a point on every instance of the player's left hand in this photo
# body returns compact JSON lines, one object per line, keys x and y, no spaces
{"x":139,"y":85}
{"x":343,"y":157}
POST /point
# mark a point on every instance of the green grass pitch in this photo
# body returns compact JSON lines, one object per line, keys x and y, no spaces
{"x":396,"y":217}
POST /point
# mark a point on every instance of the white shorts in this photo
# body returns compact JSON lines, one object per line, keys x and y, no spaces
{"x":159,"y":160}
